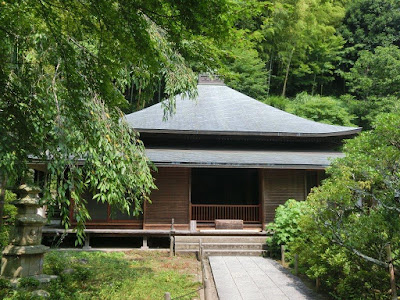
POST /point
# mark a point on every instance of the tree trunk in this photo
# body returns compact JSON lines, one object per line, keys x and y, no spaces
{"x":287,"y":73}
{"x":269,"y":75}
{"x":314,"y":84}
{"x":391,"y":273}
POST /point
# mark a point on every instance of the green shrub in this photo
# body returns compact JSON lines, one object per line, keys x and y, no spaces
{"x":9,"y":213}
{"x":4,"y":284}
{"x":285,"y":226}
{"x":342,"y":274}
{"x":327,"y":110}
{"x":83,"y":273}
{"x":56,"y":263}
{"x":28,"y":282}
{"x":277,"y":101}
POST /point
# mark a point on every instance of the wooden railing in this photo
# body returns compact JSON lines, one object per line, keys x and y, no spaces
{"x":210,"y":212}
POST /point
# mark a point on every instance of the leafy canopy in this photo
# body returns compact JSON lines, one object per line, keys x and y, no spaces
{"x":369,"y":24}
{"x":64,"y":68}
{"x":353,"y":216}
{"x":376,"y":73}
{"x":285,"y":227}
{"x":321,"y":109}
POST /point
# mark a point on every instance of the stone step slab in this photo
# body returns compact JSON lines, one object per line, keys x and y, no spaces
{"x":228,"y":252}
{"x":211,"y":246}
{"x":234,"y":252}
{"x":221,"y":239}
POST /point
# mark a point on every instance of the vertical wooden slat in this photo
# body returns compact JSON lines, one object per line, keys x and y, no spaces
{"x":190,"y":194}
{"x":208,"y":213}
{"x":305,"y":184}
{"x":279,"y":186}
{"x":171,"y":199}
{"x":108,"y":213}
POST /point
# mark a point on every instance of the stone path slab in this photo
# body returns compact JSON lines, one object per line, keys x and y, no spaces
{"x":256,"y":278}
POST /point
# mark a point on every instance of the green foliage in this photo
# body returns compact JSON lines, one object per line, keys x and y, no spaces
{"x":64,"y":71}
{"x":5,"y":286}
{"x":133,"y":275}
{"x":10,"y":212}
{"x":277,"y":101}
{"x":243,"y":67}
{"x":24,"y":289}
{"x":376,"y":73}
{"x":342,"y":275}
{"x":367,"y":25}
{"x":296,"y":41}
{"x":285,"y":226}
{"x":29,"y":282}
{"x":354,"y":215}
{"x":300,"y":43}
{"x":368,"y":109}
{"x":327,"y":110}
{"x":56,"y":263}
{"x":4,"y":283}
{"x":320,"y":109}
{"x":97,"y":275}
{"x":247,"y":73}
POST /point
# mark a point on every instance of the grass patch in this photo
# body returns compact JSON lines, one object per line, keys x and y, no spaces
{"x":117,"y":275}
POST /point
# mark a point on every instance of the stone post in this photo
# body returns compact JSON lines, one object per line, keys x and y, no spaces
{"x":24,"y":255}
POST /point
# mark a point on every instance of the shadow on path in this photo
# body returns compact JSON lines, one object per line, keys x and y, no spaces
{"x":253,"y":278}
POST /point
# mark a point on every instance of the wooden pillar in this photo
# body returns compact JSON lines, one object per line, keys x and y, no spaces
{"x":87,"y":242}
{"x":261,"y":196}
{"x":171,"y":246}
{"x":144,"y":245}
{"x":190,"y":195}
{"x":144,"y":214}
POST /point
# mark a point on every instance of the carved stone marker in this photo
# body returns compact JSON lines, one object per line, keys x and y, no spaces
{"x":24,"y":256}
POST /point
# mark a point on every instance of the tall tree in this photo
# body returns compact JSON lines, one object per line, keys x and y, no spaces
{"x":367,"y":25}
{"x":243,"y":67}
{"x":376,"y":73}
{"x":301,"y":43}
{"x":246,"y":72}
{"x":64,"y":68}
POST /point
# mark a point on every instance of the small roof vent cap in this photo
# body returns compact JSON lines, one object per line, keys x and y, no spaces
{"x":211,"y":79}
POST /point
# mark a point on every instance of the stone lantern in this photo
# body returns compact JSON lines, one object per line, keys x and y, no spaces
{"x":24,"y":255}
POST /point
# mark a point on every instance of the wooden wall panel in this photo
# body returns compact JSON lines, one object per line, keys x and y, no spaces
{"x":279,"y":186}
{"x":171,"y":200}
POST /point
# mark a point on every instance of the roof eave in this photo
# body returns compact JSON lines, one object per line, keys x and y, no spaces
{"x":246,"y":166}
{"x":252,"y":133}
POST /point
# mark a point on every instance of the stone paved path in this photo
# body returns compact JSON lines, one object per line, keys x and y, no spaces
{"x":253,"y":278}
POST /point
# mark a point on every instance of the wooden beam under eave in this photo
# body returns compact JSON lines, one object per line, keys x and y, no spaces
{"x":42,"y":167}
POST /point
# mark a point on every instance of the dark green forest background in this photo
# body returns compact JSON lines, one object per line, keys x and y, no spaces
{"x":335,"y":61}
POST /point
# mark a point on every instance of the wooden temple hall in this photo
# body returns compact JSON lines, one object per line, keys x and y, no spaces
{"x":225,"y":156}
